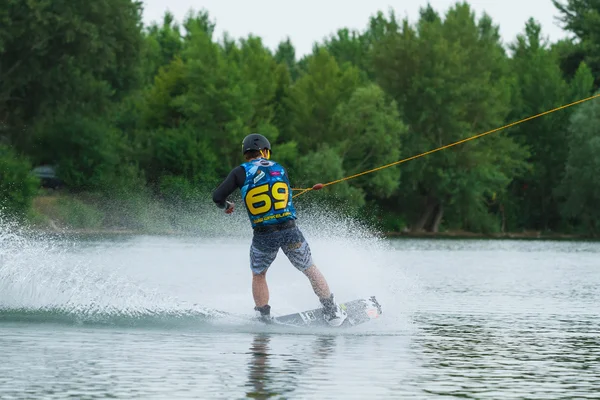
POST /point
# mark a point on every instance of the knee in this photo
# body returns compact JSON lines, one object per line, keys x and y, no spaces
{"x":259,"y":277}
{"x":310,"y":270}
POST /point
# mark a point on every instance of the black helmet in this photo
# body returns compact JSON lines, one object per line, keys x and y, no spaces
{"x":255,"y":141}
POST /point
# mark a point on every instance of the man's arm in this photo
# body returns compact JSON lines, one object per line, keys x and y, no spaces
{"x":234,"y":180}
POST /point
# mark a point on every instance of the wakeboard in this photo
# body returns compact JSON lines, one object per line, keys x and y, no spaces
{"x":359,"y":311}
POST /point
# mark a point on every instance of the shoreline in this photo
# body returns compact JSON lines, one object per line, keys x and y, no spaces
{"x":506,"y":235}
{"x":462,"y":235}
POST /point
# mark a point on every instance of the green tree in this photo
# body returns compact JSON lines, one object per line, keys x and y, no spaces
{"x":286,"y":55}
{"x":260,"y":69}
{"x":221,"y":99}
{"x":17,"y":185}
{"x":203,"y":104}
{"x":161,"y":45}
{"x":370,"y":133}
{"x":325,"y":165}
{"x":282,"y":106}
{"x":580,"y":185}
{"x":314,"y":98}
{"x":351,"y":47}
{"x":354,"y":48}
{"x":450,"y":80}
{"x":540,"y":87}
{"x":570,"y":54}
{"x":88,"y":153}
{"x":170,"y":143}
{"x":582,"y":18}
{"x":66,"y":54}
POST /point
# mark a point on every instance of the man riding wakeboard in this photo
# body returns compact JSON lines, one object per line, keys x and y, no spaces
{"x":266,"y":193}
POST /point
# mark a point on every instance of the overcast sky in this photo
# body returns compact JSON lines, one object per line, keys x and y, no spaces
{"x":309,"y":21}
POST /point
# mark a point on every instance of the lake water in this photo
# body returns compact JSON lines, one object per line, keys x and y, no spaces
{"x":138,"y":317}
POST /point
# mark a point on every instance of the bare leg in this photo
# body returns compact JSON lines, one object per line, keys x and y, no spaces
{"x":260,"y":290}
{"x":333,"y":313}
{"x":318,"y":282}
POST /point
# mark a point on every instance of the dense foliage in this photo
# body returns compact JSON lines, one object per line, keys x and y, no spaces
{"x":17,"y":185}
{"x":121,"y":108}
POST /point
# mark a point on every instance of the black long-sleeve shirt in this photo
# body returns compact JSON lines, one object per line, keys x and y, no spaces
{"x":234,"y":180}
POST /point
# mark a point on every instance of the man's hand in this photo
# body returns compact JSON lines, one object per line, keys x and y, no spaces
{"x":228,"y":207}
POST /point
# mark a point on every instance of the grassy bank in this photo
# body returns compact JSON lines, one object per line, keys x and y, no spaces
{"x":93,"y":213}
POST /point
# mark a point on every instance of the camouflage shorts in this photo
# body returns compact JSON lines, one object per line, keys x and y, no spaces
{"x":265,"y":247}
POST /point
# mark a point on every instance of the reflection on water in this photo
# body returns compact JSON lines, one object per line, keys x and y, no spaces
{"x":259,"y":369}
{"x":266,"y":380}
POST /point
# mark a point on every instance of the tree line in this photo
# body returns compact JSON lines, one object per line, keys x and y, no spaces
{"x":119,"y":107}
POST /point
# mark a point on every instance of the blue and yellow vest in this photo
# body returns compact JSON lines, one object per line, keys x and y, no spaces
{"x":267,"y":193}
